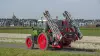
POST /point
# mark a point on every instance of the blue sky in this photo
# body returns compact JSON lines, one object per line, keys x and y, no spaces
{"x":87,"y":9}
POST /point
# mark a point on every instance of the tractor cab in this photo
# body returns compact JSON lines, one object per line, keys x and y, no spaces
{"x":40,"y":27}
{"x":42,"y":24}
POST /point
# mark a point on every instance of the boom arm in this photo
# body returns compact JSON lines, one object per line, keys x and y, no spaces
{"x":53,"y":26}
{"x":67,"y":16}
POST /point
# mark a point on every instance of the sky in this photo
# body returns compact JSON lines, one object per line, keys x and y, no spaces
{"x":84,"y":9}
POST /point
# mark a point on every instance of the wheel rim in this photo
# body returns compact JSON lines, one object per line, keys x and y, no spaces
{"x":42,"y":41}
{"x":28,"y":42}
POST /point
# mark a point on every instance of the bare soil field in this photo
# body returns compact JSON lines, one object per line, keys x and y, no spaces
{"x":87,"y":42}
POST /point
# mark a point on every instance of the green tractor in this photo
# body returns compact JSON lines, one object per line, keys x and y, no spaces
{"x":55,"y":33}
{"x":39,"y":29}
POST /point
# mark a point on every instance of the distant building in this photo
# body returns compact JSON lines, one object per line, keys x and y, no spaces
{"x":82,"y":22}
{"x":14,"y":21}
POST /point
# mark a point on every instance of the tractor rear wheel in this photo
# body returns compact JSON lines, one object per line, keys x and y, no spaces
{"x":42,"y":41}
{"x":29,"y":42}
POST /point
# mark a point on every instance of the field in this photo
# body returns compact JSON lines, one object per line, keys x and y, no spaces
{"x":16,"y":30}
{"x":26,"y":52}
{"x":12,"y":44}
{"x":28,"y":30}
{"x":90,"y":31}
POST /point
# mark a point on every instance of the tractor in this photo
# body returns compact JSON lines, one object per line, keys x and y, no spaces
{"x":54,"y":33}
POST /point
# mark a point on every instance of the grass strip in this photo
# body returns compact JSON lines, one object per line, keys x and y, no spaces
{"x":25,"y":52}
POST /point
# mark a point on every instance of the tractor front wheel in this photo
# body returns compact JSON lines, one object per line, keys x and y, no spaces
{"x":29,"y":42}
{"x":42,"y":41}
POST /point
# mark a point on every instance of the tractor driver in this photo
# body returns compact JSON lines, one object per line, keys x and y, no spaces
{"x":34,"y":34}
